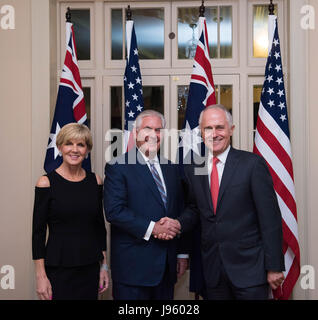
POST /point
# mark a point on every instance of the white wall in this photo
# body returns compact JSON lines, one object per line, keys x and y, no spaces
{"x":16,"y":150}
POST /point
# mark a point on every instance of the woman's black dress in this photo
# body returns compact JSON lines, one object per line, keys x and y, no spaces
{"x":73,"y":212}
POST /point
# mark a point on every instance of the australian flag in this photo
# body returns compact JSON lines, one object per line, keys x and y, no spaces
{"x":70,"y":105}
{"x":134,"y":103}
{"x":201,"y":95}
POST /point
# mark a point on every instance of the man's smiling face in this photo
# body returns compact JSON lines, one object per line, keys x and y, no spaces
{"x":216,"y":131}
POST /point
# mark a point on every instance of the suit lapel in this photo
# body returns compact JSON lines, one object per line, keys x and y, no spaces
{"x":229,"y":169}
{"x":207,"y":190}
{"x":203,"y":178}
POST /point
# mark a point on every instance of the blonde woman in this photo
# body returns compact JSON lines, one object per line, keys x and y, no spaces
{"x":71,"y":264}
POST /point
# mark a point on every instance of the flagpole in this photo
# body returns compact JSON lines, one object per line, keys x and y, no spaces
{"x":202,"y":9}
{"x":129,"y":26}
{"x":68,"y":15}
{"x":271,"y":8}
{"x":201,"y":17}
{"x":271,"y":25}
{"x":128,"y":13}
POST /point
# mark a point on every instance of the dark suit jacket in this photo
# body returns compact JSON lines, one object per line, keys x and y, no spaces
{"x":245,"y":235}
{"x":131,"y":201}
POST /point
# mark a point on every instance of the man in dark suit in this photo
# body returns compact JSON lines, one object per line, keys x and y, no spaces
{"x":232,"y":195}
{"x":139,"y":190}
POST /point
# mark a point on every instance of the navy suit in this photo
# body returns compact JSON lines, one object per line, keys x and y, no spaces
{"x":132,"y":201}
{"x":244,"y":238}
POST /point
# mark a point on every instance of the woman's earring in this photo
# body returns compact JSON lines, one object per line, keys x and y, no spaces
{"x":60,"y":153}
{"x":86,"y":157}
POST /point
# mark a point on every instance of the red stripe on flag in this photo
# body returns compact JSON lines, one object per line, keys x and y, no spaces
{"x":283,"y":192}
{"x":73,"y":67}
{"x":205,"y":64}
{"x":285,"y":246}
{"x":275,"y":146}
{"x":199,"y":78}
{"x":79,"y":110}
{"x":66,"y":81}
{"x":290,"y":239}
{"x":211,"y":100}
{"x":280,"y":188}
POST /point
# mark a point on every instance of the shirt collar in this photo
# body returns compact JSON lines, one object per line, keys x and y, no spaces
{"x":223,"y":156}
{"x":147,"y":160}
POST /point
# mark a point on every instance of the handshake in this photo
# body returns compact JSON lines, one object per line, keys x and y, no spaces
{"x":166,"y":229}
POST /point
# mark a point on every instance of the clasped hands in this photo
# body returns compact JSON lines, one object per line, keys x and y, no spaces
{"x":166,"y":229}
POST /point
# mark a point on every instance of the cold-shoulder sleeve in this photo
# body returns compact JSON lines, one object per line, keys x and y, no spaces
{"x":102,"y":235}
{"x":40,"y":220}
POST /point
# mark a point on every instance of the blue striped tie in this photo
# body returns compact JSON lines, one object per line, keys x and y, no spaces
{"x":159,"y":184}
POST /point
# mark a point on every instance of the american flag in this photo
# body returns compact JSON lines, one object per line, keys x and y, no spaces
{"x":134,"y":103}
{"x":272,"y":141}
{"x":70,"y":105}
{"x":201,"y":94}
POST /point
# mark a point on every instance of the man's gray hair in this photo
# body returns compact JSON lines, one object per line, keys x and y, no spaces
{"x":149,"y":113}
{"x":220,"y":107}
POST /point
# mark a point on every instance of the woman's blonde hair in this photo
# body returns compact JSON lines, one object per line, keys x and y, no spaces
{"x":75,"y":131}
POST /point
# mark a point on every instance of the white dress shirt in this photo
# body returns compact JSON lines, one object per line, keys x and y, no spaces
{"x":220,"y":165}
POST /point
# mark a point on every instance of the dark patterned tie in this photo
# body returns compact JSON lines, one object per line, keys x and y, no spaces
{"x":159,"y":184}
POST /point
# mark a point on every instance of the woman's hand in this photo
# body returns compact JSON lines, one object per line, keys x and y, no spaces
{"x":43,"y":284}
{"x":103,"y":281}
{"x":43,"y":288}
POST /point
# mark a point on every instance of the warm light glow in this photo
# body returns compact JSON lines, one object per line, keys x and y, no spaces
{"x":260,"y":30}
{"x":261,"y":44}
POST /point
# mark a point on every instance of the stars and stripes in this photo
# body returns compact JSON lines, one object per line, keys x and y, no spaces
{"x":201,"y":94}
{"x":272,"y":141}
{"x":134,"y":103}
{"x":70,"y":104}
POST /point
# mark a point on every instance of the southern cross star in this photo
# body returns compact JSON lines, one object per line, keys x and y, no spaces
{"x":53,"y":141}
{"x":190,"y":140}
